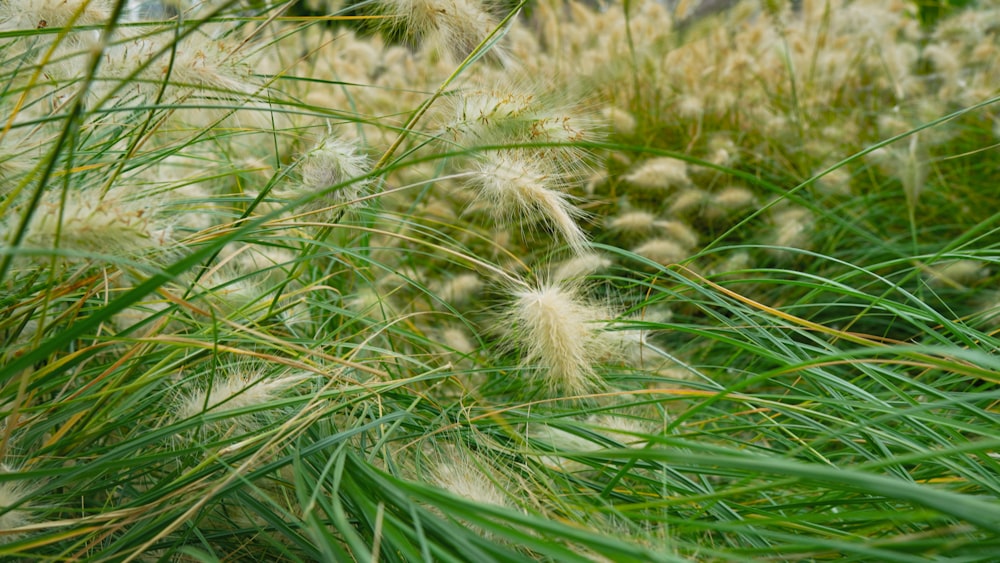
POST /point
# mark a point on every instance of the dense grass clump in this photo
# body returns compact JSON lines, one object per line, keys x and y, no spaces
{"x":471,"y":281}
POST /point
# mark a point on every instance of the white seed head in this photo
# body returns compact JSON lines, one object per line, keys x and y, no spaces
{"x":631,"y":338}
{"x":559,"y":333}
{"x":722,"y":150}
{"x":733,"y":198}
{"x":946,"y":60}
{"x":263,"y":263}
{"x":561,"y":441}
{"x":727,"y":203}
{"x":988,"y":310}
{"x":333,"y":161}
{"x":835,"y":183}
{"x":956,"y":273}
{"x":688,"y":202}
{"x":368,"y":302}
{"x":508,"y":113}
{"x":633,"y":222}
{"x":620,"y":428}
{"x":87,"y":222}
{"x":38,"y":14}
{"x":457,"y":26}
{"x":679,"y":231}
{"x":579,"y":266}
{"x":514,"y":186}
{"x":237,"y":390}
{"x":17,"y":157}
{"x":459,"y":289}
{"x":690,"y":107}
{"x":480,"y":113}
{"x":622,"y":122}
{"x":205,"y":64}
{"x":12,"y":493}
{"x":461,"y":475}
{"x":659,"y":174}
{"x":792,"y":228}
{"x":733,"y":263}
{"x":662,"y":251}
{"x":458,"y":340}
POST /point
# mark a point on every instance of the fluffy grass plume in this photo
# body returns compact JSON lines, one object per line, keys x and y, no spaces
{"x":560,"y":337}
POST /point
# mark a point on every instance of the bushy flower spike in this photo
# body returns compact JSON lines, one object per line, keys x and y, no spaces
{"x":113,"y":225}
{"x":523,"y":114}
{"x":662,"y":251}
{"x":579,"y":266}
{"x":37,"y":14}
{"x":235,"y":391}
{"x":330,"y":162}
{"x":560,"y":334}
{"x":633,"y":223}
{"x":12,"y":493}
{"x":792,"y":228}
{"x":457,"y":26}
{"x":517,"y":187}
{"x":659,"y":174}
{"x":460,"y":473}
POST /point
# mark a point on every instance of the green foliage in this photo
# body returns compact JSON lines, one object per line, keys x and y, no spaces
{"x":929,"y":12}
{"x":566,"y":286}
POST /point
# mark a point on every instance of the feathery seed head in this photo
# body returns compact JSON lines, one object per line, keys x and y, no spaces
{"x":205,"y":64}
{"x":561,"y":441}
{"x":235,"y":391}
{"x":620,"y":428}
{"x":691,"y":107}
{"x":733,"y":263}
{"x":946,"y":61}
{"x":456,"y":26}
{"x":479,"y":114}
{"x":459,"y":289}
{"x":12,"y":493}
{"x":955,"y":273}
{"x":266,"y":264}
{"x":368,"y":302}
{"x":837,"y":182}
{"x":727,"y":202}
{"x":637,"y":223}
{"x":461,"y":474}
{"x":659,"y":174}
{"x":792,"y":228}
{"x":515,"y":186}
{"x":988,"y":310}
{"x":219,"y":77}
{"x":558,"y":332}
{"x":559,"y":129}
{"x":16,"y":158}
{"x":333,"y":161}
{"x":621,"y":121}
{"x":662,"y":251}
{"x":457,"y":339}
{"x":139,"y":10}
{"x":123,"y":58}
{"x":522,"y":114}
{"x":579,"y":266}
{"x":688,"y":202}
{"x":733,"y":198}
{"x":87,"y":222}
{"x":679,"y":231}
{"x":36,"y":14}
{"x":722,"y":150}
